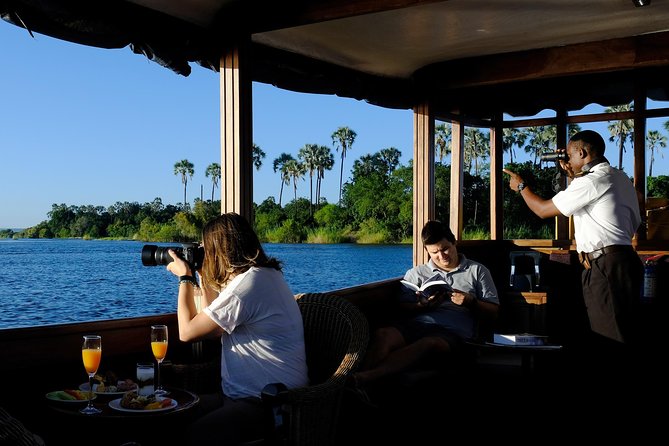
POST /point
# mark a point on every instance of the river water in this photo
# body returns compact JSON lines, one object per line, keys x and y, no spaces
{"x":61,"y":281}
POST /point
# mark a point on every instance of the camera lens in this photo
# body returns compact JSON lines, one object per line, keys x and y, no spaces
{"x":163,"y":257}
{"x":153,"y":255}
{"x":148,"y":255}
{"x":192,"y":253}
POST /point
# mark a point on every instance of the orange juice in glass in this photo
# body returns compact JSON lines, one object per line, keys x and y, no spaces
{"x":91,"y":357}
{"x":91,"y":353}
{"x":159,"y":349}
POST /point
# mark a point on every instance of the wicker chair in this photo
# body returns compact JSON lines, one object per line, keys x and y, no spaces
{"x":336,"y":335}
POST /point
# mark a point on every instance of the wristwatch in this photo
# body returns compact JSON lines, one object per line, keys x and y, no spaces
{"x":521,"y":186}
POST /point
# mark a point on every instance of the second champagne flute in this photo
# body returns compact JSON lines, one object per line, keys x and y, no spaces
{"x":159,"y":349}
{"x":91,"y":353}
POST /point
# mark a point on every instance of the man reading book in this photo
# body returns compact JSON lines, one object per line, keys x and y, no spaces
{"x":439,"y":321}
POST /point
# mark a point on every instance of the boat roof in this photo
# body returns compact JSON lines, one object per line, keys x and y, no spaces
{"x":392,"y":53}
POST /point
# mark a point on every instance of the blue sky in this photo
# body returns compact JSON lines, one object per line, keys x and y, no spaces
{"x":89,"y":126}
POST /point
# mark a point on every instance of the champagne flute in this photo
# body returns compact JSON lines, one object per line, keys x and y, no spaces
{"x":159,"y":349}
{"x":91,"y":353}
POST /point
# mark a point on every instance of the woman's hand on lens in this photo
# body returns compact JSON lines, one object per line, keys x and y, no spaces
{"x":177,"y":266}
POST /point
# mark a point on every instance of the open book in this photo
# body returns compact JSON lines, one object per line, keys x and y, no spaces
{"x":423,"y":288}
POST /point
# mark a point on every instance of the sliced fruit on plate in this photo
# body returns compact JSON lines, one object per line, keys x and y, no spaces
{"x":139,"y":402}
{"x":68,"y":395}
{"x":120,"y":387}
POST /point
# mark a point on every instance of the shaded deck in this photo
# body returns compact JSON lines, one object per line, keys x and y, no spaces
{"x":485,"y":396}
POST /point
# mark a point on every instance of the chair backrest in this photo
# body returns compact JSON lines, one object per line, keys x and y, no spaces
{"x":336,"y":334}
{"x":525,"y":275}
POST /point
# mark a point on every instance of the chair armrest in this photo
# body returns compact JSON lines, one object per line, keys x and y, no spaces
{"x":276,"y":394}
{"x":277,"y":400}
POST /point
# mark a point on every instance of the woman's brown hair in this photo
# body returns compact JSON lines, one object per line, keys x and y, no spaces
{"x":231,"y":247}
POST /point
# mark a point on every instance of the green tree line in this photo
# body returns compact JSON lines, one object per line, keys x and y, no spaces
{"x":374,"y":206}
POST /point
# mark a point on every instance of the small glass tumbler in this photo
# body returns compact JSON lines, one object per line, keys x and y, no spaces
{"x":145,"y":378}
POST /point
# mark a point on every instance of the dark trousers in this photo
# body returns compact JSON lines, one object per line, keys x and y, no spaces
{"x":223,"y":421}
{"x":611,"y":291}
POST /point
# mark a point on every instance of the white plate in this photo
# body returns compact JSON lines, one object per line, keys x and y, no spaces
{"x":52,"y":397}
{"x":116,"y":405}
{"x":84,"y":387}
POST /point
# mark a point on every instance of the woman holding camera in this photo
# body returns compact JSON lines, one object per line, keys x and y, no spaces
{"x":250,"y":306}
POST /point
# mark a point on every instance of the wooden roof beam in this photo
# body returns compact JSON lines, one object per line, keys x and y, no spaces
{"x":649,"y":50}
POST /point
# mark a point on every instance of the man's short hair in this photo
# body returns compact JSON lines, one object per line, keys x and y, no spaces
{"x":435,"y":231}
{"x":592,"y":140}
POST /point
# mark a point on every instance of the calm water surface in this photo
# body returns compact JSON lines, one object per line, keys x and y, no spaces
{"x":61,"y":281}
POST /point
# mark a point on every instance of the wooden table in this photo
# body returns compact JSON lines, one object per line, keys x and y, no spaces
{"x":113,"y":427}
{"x":527,"y":353}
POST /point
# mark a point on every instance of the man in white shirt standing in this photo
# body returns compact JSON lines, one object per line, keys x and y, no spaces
{"x":605,"y":207}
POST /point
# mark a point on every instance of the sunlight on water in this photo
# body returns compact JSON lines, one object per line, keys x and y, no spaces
{"x":61,"y":281}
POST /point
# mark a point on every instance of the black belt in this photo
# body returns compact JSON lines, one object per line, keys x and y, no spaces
{"x":606,"y":250}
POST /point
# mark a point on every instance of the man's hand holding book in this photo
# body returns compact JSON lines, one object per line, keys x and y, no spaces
{"x":430,"y":294}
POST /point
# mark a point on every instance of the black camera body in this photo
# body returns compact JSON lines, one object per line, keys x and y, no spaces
{"x":192,"y":253}
{"x":558,"y":155}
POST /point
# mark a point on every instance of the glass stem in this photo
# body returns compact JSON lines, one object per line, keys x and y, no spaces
{"x":158,"y":387}
{"x":90,"y":390}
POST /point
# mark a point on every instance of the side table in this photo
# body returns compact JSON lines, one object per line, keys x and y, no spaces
{"x":112,"y":427}
{"x":527,"y":354}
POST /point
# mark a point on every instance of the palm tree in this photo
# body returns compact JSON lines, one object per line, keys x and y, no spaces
{"x":186,"y":169}
{"x":621,"y":130}
{"x":390,"y":157}
{"x":294,"y":170}
{"x":309,"y":156}
{"x":343,"y":139}
{"x":213,"y":171}
{"x":572,"y":129}
{"x":442,"y":140}
{"x":279,"y":164}
{"x":257,"y":155}
{"x":666,"y":127}
{"x":655,"y":140}
{"x":542,"y":139}
{"x":513,"y":138}
{"x":366,"y":165}
{"x":477,"y":145}
{"x":325,"y":162}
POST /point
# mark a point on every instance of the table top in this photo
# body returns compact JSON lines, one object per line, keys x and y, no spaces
{"x":534,"y":348}
{"x":185,"y":399}
{"x":514,"y":348}
{"x":113,"y":427}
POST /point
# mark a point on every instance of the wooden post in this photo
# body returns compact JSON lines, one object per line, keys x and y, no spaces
{"x":457,"y":178}
{"x":564,"y":228}
{"x":496,"y":180}
{"x":640,"y":156}
{"x":236,"y":131}
{"x":423,"y":177}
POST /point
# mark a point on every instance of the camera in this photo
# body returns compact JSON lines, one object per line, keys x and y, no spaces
{"x":558,"y":155}
{"x":192,"y":253}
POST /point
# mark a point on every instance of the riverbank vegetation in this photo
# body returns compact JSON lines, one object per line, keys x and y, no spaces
{"x":375,"y":205}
